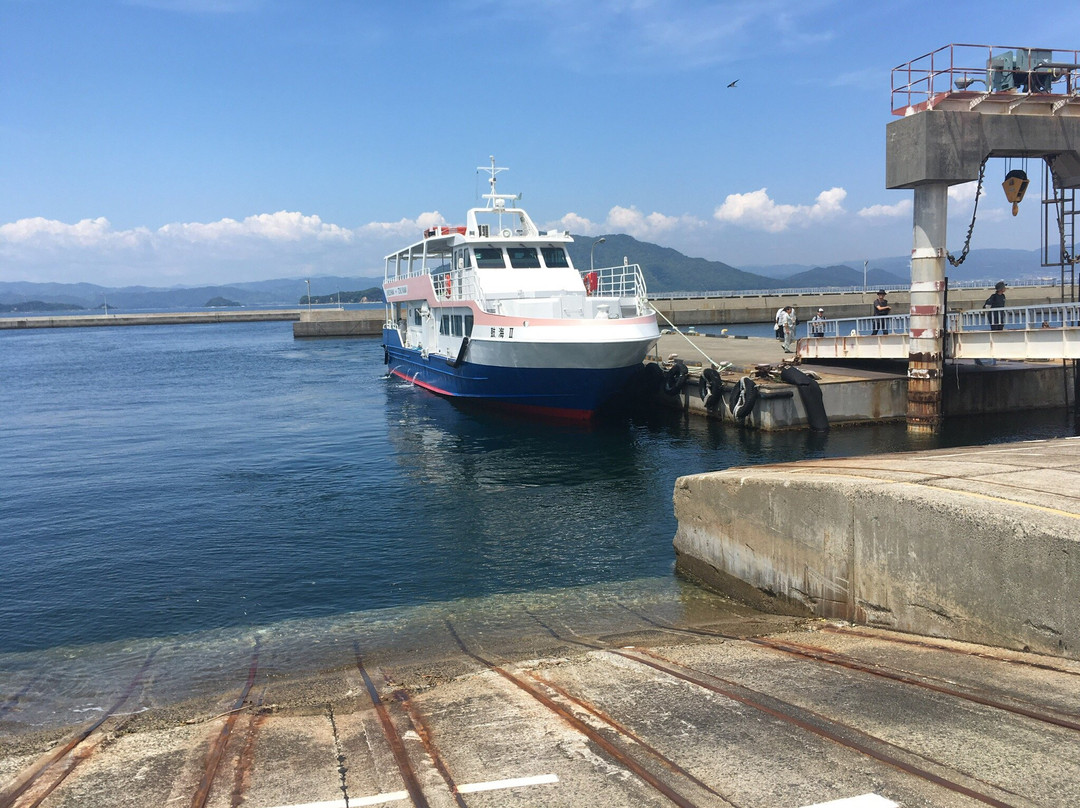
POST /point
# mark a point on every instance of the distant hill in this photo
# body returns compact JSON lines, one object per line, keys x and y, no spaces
{"x":373,"y":294}
{"x":281,"y":291}
{"x":844,"y":276}
{"x":665,"y":269}
{"x":38,"y":306}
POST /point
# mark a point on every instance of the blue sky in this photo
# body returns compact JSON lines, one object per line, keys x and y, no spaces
{"x":165,"y":142}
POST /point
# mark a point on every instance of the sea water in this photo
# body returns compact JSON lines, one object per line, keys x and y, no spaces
{"x":187,"y":491}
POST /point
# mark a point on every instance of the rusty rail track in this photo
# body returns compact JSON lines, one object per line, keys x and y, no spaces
{"x":45,"y":774}
{"x":393,"y":738}
{"x":1027,"y":663}
{"x":217,"y":748}
{"x":830,"y":729}
{"x":620,"y":756}
{"x":827,"y":656}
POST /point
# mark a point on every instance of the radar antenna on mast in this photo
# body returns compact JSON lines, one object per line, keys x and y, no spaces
{"x":495,"y":200}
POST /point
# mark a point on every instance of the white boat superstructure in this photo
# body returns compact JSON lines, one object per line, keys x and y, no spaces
{"x":495,"y":309}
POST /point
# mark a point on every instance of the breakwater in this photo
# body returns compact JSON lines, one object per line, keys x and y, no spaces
{"x":150,"y":318}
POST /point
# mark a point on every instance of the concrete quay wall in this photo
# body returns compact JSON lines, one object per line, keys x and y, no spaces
{"x":340,"y":323}
{"x":978,"y":544}
{"x":853,"y":394}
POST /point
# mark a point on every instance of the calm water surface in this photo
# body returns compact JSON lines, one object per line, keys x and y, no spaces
{"x":185,"y":489}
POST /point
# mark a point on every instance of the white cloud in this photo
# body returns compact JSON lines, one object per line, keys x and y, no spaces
{"x":265,"y":245}
{"x":964,"y":193}
{"x":280,"y":226}
{"x":757,"y":211}
{"x":901,"y":209}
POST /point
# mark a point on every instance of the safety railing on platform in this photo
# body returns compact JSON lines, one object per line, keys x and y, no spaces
{"x":796,"y":291}
{"x":1054,"y":315}
{"x":953,"y":70}
{"x":1049,"y":315}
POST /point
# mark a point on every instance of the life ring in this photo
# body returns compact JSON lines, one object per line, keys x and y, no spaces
{"x":743,"y":397}
{"x":592,"y":282}
{"x":675,"y":378}
{"x":506,"y":233}
{"x":449,"y":286}
{"x":710,"y":387}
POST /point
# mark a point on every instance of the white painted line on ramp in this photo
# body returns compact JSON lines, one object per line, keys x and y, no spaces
{"x":375,"y":799}
{"x":862,"y":801}
{"x":516,"y":782}
{"x":468,"y":788}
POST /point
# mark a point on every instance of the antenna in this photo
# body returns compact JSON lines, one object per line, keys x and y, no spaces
{"x":493,"y":170}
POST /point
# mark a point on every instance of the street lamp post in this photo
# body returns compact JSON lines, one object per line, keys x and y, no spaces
{"x":598,"y":241}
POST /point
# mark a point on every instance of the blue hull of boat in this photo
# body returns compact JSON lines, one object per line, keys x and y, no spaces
{"x":561,"y":392}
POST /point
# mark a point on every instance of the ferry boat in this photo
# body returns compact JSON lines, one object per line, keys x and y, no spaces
{"x":495,"y":311}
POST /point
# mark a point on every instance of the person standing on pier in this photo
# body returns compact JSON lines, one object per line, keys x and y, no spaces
{"x":881,"y":314}
{"x":996,"y":301}
{"x":779,"y":326}
{"x":787,"y":320}
{"x":817,"y":324}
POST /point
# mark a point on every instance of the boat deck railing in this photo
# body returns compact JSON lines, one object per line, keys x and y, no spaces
{"x":624,"y":281}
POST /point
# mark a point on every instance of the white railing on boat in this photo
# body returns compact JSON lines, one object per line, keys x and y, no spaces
{"x":625,"y":281}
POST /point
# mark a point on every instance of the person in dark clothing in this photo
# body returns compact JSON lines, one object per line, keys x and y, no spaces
{"x":996,"y":301}
{"x":881,"y":312}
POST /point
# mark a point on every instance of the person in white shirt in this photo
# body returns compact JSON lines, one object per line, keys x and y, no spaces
{"x":788,"y":321}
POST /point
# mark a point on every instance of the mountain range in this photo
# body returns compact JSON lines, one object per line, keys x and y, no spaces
{"x":665,"y":269}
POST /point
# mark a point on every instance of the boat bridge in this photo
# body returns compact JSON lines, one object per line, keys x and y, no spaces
{"x":1024,"y":333}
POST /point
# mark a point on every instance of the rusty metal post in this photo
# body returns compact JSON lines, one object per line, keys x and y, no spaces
{"x":926,"y":348}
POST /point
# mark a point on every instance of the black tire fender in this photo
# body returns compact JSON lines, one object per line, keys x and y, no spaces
{"x":675,"y":378}
{"x":710,"y":387}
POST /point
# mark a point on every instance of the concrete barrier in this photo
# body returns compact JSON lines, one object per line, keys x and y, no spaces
{"x":976,"y":544}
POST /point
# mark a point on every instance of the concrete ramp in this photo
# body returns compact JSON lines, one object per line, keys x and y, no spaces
{"x":979,"y":543}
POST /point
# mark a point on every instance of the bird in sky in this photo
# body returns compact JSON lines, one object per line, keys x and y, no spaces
{"x":733,"y":83}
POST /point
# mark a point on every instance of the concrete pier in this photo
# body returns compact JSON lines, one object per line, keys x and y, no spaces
{"x":868,"y":393}
{"x":340,"y":323}
{"x":976,"y":544}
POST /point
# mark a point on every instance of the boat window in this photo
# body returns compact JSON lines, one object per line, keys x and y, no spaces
{"x":555,"y":256}
{"x":468,"y":325}
{"x":453,"y":325}
{"x":488,"y":257}
{"x":416,"y":318}
{"x":523,"y":257}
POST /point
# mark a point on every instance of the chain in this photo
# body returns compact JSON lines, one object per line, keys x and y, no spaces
{"x":971,"y":227}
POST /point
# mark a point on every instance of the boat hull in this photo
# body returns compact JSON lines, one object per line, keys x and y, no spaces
{"x":563,"y":380}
